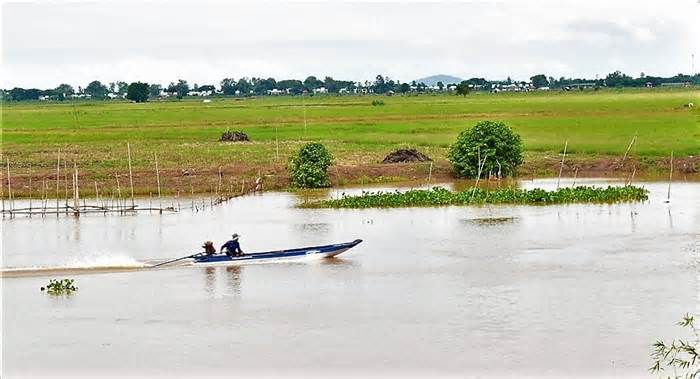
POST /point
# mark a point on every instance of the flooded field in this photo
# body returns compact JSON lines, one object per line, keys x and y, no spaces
{"x":566,"y":290}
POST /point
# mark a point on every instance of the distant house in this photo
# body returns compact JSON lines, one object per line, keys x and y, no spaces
{"x":276,"y":92}
{"x":343,"y":91}
{"x":676,"y":84}
{"x":200,"y":93}
{"x":580,"y":86}
{"x":320,"y":90}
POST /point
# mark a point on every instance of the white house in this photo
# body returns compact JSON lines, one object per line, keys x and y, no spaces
{"x":320,"y":90}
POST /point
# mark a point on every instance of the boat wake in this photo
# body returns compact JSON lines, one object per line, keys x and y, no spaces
{"x":80,"y":265}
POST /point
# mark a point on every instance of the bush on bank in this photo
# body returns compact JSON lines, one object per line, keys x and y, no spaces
{"x":308,"y":168}
{"x":489,"y":147}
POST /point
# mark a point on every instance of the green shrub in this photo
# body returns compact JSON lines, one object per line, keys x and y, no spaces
{"x":308,"y":168}
{"x":498,"y":147}
{"x":377,"y":103}
{"x":59,"y":287}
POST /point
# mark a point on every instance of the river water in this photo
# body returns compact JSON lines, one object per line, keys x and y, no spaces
{"x":566,"y":290}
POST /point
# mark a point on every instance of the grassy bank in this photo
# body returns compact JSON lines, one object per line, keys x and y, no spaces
{"x":184,"y":135}
{"x":439,"y":196}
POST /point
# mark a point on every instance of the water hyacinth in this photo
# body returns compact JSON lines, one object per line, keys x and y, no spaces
{"x":438,"y":196}
{"x":60,"y":287}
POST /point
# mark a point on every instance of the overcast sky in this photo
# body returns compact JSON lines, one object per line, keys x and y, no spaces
{"x":45,"y":44}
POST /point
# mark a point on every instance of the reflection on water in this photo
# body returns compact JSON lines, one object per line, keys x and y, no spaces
{"x":221,"y":281}
{"x":320,"y":228}
{"x":498,"y":289}
{"x":489,"y":220}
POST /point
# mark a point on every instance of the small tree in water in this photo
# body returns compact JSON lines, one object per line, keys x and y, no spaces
{"x":680,"y":356}
{"x":488,"y":147}
{"x":308,"y":168}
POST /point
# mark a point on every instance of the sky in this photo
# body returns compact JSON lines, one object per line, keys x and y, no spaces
{"x":52,"y":42}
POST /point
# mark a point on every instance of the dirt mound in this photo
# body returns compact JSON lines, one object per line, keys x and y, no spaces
{"x":234,"y":136}
{"x":406,"y":155}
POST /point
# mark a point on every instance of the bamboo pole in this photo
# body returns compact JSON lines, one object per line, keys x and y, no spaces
{"x":218,"y":185}
{"x":160,"y":203}
{"x":573,"y":185}
{"x":76,"y":189}
{"x":634,"y":171}
{"x":131,"y":177}
{"x":65,"y":174}
{"x":9,"y":187}
{"x":44,"y":194}
{"x":480,"y":167}
{"x":430,"y":172}
{"x":119,"y":191}
{"x":58,"y":178}
{"x":670,"y":178}
{"x":628,"y":149}
{"x":30,"y":187}
{"x":2,"y":190}
{"x":561,"y":167}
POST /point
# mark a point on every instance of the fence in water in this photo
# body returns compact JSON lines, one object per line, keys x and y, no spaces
{"x":71,"y":202}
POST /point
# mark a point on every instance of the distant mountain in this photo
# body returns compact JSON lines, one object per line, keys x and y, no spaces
{"x":445,"y":79}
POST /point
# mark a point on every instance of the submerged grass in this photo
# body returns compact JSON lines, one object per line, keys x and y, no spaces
{"x":438,"y":196}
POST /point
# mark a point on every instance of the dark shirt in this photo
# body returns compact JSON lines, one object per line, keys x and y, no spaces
{"x":232,"y":246}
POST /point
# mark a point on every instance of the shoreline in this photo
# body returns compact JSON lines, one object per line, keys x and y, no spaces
{"x":237,"y":178}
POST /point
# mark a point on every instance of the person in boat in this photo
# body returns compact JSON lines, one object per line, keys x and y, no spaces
{"x":209,"y":248}
{"x":233,"y":248}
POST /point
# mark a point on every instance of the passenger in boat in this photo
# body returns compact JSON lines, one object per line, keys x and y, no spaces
{"x":209,"y":248}
{"x":233,"y":248}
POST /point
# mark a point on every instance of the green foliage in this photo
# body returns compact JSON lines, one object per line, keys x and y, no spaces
{"x":308,"y":168}
{"x":463,"y":88}
{"x":137,"y":92}
{"x":680,"y":355}
{"x":180,"y":88}
{"x":96,"y":90}
{"x":539,"y":81}
{"x":488,"y":147}
{"x":438,"y":196}
{"x":377,"y":103}
{"x":60,"y":287}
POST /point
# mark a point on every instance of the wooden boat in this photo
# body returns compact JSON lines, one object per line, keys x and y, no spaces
{"x":324,"y":251}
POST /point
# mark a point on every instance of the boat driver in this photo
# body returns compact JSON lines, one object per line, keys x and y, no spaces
{"x":233,"y":248}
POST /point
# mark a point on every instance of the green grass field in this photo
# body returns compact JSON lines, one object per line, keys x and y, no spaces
{"x":185,"y":133}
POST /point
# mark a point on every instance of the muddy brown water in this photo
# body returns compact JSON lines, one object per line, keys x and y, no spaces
{"x":566,"y":290}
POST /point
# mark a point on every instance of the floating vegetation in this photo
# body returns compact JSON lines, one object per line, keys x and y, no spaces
{"x":60,"y":287}
{"x":438,"y":196}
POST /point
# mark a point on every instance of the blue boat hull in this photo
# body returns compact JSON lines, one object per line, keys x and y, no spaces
{"x":325,"y":251}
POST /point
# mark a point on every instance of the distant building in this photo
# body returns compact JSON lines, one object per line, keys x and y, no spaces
{"x":676,"y":84}
{"x":320,"y":90}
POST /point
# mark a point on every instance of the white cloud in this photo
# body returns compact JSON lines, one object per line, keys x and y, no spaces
{"x":46,"y":44}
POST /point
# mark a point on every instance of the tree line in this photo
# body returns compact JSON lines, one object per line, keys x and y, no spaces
{"x":139,"y":92}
